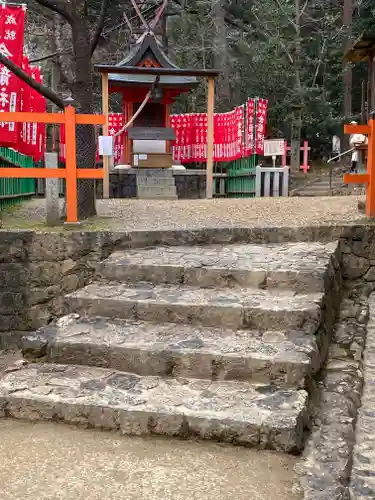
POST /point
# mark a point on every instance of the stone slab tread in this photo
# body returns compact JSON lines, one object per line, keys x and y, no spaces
{"x":146,"y":348}
{"x":298,"y":266}
{"x":230,"y":307}
{"x":252,"y":415}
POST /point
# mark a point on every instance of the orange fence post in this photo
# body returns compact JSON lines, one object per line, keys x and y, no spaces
{"x":71,"y":165}
{"x":369,"y":178}
{"x":70,"y":172}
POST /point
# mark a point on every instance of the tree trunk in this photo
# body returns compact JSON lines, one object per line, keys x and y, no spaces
{"x":220,"y":55}
{"x":84,"y":100}
{"x":295,"y":142}
{"x":347,"y":69}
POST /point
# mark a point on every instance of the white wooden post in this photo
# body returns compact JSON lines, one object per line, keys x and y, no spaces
{"x":258,"y":181}
{"x":276,"y":173}
{"x":285,"y":190}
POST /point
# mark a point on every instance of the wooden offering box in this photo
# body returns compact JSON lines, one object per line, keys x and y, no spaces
{"x":152,"y":160}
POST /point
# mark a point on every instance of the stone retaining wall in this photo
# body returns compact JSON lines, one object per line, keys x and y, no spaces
{"x":37,"y":269}
{"x":326,"y":467}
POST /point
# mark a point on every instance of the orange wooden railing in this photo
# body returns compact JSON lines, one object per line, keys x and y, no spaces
{"x":71,"y":173}
{"x":369,"y":177}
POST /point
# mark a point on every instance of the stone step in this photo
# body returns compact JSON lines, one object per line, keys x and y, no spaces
{"x":255,"y":415}
{"x":146,"y":348}
{"x":226,"y":307}
{"x":157,"y":197}
{"x":154,"y":172}
{"x":156,"y":190}
{"x":301,"y":267}
{"x":155,"y":181}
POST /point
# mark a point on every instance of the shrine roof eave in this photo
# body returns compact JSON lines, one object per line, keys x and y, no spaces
{"x":131,"y":80}
{"x":136,"y":70}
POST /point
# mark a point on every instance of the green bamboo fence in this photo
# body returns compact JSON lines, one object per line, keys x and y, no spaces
{"x":240,"y":181}
{"x":13,"y":191}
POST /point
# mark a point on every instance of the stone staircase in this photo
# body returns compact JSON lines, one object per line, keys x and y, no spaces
{"x":155,"y":183}
{"x":216,"y":342}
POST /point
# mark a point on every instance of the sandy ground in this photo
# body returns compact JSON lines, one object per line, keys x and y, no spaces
{"x":48,"y":461}
{"x":123,"y":214}
{"x":56,"y":462}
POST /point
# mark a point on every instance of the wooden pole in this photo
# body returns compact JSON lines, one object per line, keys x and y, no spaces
{"x":370,"y":189}
{"x":167,"y":111}
{"x":71,"y":165}
{"x":363,"y":101}
{"x":372,"y":82}
{"x":210,"y":136}
{"x":105,"y":111}
{"x":129,"y":159}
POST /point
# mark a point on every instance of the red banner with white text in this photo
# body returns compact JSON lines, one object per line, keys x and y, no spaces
{"x":115,"y":122}
{"x":191,"y":136}
{"x":249,"y":138}
{"x":260,"y":128}
{"x":12,"y":28}
{"x":38,"y":130}
{"x":32,"y":136}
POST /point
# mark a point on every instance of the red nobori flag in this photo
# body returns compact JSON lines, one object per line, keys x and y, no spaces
{"x":249,"y":139}
{"x":24,"y":142}
{"x":12,"y":28}
{"x":62,"y":144}
{"x":115,"y":124}
{"x":191,"y":136}
{"x":260,"y":128}
{"x":38,"y":130}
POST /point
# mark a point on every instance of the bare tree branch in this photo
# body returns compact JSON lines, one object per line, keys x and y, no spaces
{"x":139,"y":13}
{"x":281,"y":7}
{"x":270,"y":34}
{"x":319,"y":62}
{"x":58,"y":6}
{"x":49,"y":56}
{"x":45,"y":91}
{"x":304,"y":8}
{"x":159,"y":14}
{"x":100,"y":25}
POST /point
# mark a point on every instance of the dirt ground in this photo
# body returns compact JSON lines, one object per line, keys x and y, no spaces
{"x":47,"y":461}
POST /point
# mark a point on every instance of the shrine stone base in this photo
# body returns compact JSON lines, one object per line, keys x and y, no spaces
{"x":189,"y":184}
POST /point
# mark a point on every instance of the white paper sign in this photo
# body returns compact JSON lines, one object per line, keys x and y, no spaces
{"x":105,"y":145}
{"x":274,"y":147}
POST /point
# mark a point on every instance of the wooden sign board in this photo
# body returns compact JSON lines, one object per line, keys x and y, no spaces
{"x":274,"y":147}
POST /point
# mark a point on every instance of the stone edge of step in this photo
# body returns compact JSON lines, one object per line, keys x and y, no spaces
{"x":54,"y":343}
{"x":280,"y":430}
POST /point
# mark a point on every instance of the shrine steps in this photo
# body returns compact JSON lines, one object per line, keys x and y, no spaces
{"x":216,"y":342}
{"x":155,"y":184}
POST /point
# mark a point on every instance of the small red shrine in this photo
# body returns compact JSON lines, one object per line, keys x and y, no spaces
{"x":148,"y":141}
{"x":152,"y":124}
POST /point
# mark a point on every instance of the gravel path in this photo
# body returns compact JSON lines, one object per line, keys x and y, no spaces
{"x":128,"y":214}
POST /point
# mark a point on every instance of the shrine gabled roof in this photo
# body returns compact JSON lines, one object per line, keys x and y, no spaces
{"x":147,"y":43}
